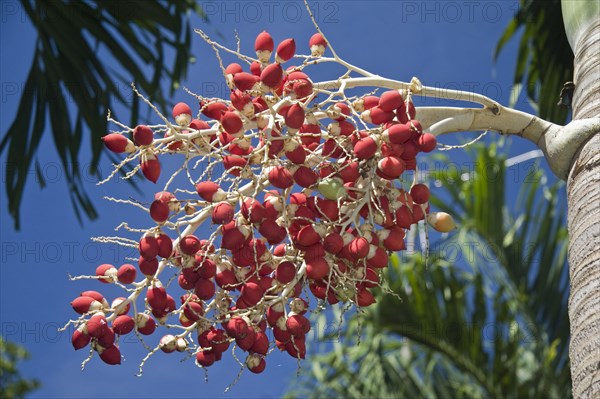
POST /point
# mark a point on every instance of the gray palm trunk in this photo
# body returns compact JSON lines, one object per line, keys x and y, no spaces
{"x":583,"y":193}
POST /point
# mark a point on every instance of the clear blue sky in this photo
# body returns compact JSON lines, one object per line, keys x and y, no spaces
{"x":444,"y":43}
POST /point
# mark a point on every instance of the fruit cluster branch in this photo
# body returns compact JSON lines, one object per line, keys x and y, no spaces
{"x":300,"y":185}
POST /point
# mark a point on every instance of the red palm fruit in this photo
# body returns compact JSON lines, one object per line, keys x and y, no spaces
{"x":297,"y":155}
{"x":97,"y":325}
{"x":145,"y":324}
{"x":332,"y":149}
{"x":234,"y":164}
{"x":280,"y":177}
{"x":245,"y":342}
{"x":256,"y":363}
{"x":296,"y":347}
{"x":159,"y":211}
{"x":126,"y":274}
{"x":242,"y":102}
{"x":308,"y":236}
{"x":317,"y":268}
{"x":285,"y":272}
{"x":236,"y":327}
{"x":142,"y":135}
{"x":189,"y":244}
{"x":253,"y":210}
{"x":148,"y":247}
{"x":419,"y":193}
{"x":318,"y":290}
{"x":392,"y":238}
{"x":415,"y":127}
{"x":364,"y":297}
{"x":310,"y":133}
{"x":156,"y":296}
{"x":233,"y":68}
{"x":84,"y":304}
{"x":123,"y":324}
{"x":194,"y":310}
{"x":285,"y":50}
{"x":365,"y":103}
{"x":232,"y":123}
{"x":427,"y":142}
{"x":273,"y":232}
{"x":165,"y":245}
{"x":391,"y":166}
{"x":222,"y":213}
{"x":398,"y":134}
{"x":365,"y":148}
{"x":294,"y":118}
{"x":95,"y":295}
{"x":210,"y":191}
{"x":182,"y":113}
{"x":214,"y":110}
{"x":107,"y":273}
{"x":418,"y":213}
{"x":110,"y":355}
{"x":150,"y":166}
{"x":148,"y":266}
{"x":205,"y":358}
{"x":401,"y":112}
{"x":297,"y":325}
{"x":349,"y":172}
{"x":118,"y":143}
{"x":226,"y":279}
{"x":251,"y":293}
{"x":107,"y":339}
{"x":274,"y":313}
{"x":328,"y":209}
{"x":404,"y":216}
{"x":359,"y":248}
{"x":339,"y":111}
{"x":265,"y":282}
{"x":185,"y":282}
{"x":218,"y":340}
{"x":80,"y":339}
{"x":298,"y":198}
{"x":377,"y":257}
{"x":204,"y":289}
{"x":305,"y":177}
{"x":245,"y":81}
{"x":279,"y":250}
{"x":317,"y":44}
{"x":377,"y":116}
{"x":302,"y":88}
{"x":207,"y":268}
{"x":233,"y":237}
{"x":391,"y":149}
{"x":370,"y":278}
{"x":411,"y":150}
{"x":261,"y":344}
{"x":333,"y":243}
{"x":264,"y":42}
{"x":256,"y":67}
{"x":390,"y":100}
{"x":272,"y":75}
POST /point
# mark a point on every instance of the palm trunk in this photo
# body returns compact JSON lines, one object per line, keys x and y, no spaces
{"x":583,"y":193}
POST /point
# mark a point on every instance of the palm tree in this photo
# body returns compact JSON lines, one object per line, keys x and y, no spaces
{"x":67,"y":65}
{"x":493,"y":325}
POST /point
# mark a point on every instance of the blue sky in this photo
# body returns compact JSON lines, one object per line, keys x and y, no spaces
{"x":446,"y":44}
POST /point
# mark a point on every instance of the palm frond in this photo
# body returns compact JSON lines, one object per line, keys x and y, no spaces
{"x":67,"y":67}
{"x":544,"y":58}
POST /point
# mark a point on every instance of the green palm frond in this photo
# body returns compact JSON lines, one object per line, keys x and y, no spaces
{"x":544,"y":58}
{"x":69,"y":65}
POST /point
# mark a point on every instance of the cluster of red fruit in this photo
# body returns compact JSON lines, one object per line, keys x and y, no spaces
{"x":323,"y":207}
